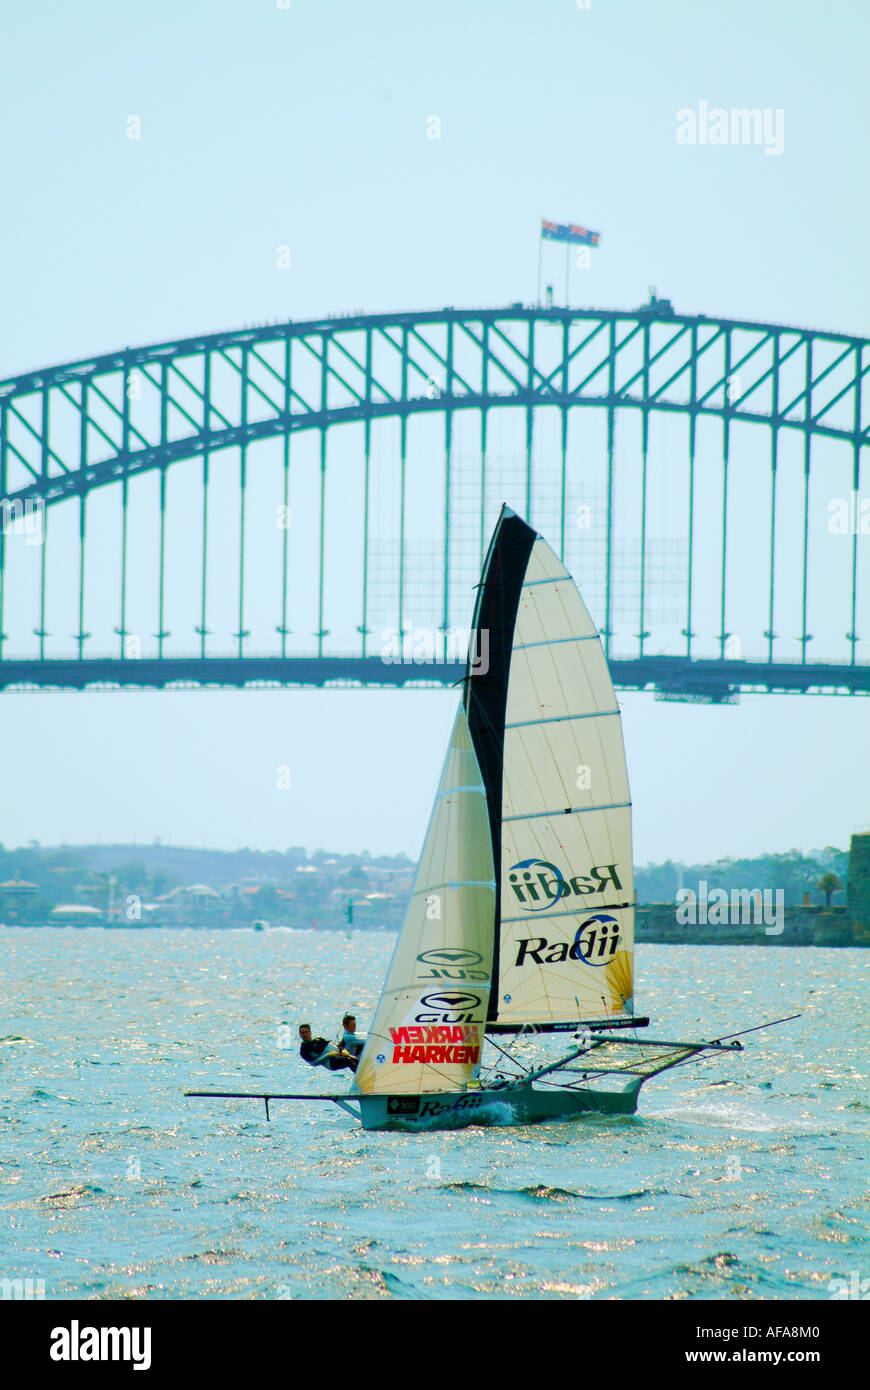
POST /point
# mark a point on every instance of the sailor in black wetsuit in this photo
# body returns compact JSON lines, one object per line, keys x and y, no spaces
{"x":317,"y":1052}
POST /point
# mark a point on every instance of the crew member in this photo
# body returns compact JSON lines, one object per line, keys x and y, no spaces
{"x":317,"y":1052}
{"x":350,"y":1042}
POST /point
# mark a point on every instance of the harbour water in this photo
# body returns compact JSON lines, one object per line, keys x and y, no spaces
{"x":741,"y":1178}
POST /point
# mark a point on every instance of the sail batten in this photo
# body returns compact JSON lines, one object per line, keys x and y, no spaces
{"x":524,"y":646}
{"x":571,"y":811}
{"x":474,"y":787}
{"x":561,"y":718}
{"x":569,"y":912}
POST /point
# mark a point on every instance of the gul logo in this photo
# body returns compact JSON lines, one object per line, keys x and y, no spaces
{"x":451,"y":1006}
{"x":453,"y":963}
{"x":537,"y":883}
{"x":594,"y":944}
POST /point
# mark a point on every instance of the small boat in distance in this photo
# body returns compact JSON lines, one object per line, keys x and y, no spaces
{"x":521,"y":920}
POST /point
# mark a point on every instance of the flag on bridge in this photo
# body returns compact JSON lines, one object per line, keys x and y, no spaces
{"x":569,"y":232}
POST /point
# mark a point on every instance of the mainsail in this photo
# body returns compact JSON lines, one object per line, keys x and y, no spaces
{"x":546,"y":728}
{"x":428,"y":1028}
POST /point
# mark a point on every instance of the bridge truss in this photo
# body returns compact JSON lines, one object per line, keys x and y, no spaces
{"x":691,"y":468}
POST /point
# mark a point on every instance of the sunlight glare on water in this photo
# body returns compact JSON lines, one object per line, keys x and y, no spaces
{"x":738,"y":1178}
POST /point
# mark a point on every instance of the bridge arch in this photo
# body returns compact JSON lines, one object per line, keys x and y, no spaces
{"x":69,"y":430}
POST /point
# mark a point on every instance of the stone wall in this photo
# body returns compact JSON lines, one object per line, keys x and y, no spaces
{"x":858,"y":884}
{"x":802,"y":926}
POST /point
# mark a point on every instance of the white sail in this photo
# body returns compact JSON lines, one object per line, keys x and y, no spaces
{"x":427,"y":1033}
{"x":565,"y":934}
{"x":567,"y":893}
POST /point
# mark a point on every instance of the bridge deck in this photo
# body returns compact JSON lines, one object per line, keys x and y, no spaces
{"x":670,"y":677}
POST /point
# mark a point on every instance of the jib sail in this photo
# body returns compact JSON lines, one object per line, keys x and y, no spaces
{"x":428,"y":1029}
{"x":546,"y":728}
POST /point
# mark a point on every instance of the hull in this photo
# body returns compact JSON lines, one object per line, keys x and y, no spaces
{"x":510,"y":1105}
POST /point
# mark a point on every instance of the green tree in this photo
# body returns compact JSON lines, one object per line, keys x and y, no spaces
{"x":828,"y":884}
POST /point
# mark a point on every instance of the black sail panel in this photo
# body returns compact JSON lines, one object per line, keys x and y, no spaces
{"x":487,"y":674}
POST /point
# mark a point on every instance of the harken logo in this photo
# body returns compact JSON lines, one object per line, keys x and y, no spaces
{"x":537,"y":884}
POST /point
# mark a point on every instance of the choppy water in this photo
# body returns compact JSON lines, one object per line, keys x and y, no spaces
{"x":740,"y":1178}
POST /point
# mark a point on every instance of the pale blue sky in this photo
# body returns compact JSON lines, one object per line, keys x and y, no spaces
{"x":307,"y":127}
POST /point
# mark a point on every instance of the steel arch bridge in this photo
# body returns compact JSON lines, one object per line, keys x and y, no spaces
{"x":756,"y":506}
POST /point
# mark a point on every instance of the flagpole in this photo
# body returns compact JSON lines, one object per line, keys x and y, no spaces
{"x":540,"y":253}
{"x":567,"y":264}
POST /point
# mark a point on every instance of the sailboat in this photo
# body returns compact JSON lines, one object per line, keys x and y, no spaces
{"x":521,"y":919}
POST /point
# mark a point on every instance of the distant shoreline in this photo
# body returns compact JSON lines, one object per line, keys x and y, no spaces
{"x":832,"y":937}
{"x":774,"y":900}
